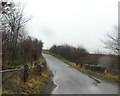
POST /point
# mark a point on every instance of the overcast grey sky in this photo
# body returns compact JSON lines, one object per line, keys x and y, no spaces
{"x":75,"y":22}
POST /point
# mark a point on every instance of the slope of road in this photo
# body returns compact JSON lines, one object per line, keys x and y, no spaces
{"x":71,"y":81}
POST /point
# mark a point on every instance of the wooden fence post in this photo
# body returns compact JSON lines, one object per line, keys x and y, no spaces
{"x":25,"y":73}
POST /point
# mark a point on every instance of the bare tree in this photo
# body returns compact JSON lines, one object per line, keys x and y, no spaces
{"x":12,"y":23}
{"x":113,"y":41}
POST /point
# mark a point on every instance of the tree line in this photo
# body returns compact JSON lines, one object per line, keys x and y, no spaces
{"x":82,"y":57}
{"x":74,"y":54}
{"x":17,"y":46}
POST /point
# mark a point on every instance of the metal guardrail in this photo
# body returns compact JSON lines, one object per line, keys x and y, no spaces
{"x":8,"y":73}
{"x":10,"y":70}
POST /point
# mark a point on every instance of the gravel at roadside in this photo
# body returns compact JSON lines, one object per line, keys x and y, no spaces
{"x":49,"y":86}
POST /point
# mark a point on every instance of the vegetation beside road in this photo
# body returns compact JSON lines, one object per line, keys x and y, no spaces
{"x":34,"y":85}
{"x":19,"y":50}
{"x":17,"y":46}
{"x":105,"y":76}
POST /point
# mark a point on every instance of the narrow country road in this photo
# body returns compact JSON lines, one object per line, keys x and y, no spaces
{"x":71,"y":81}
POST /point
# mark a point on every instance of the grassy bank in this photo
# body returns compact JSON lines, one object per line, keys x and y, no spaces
{"x":105,"y":76}
{"x":34,"y":85}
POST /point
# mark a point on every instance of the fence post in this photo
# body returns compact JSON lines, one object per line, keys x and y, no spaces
{"x":25,"y":73}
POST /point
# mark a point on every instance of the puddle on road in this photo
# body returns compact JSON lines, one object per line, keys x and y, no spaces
{"x":96,"y":81}
{"x":69,"y":66}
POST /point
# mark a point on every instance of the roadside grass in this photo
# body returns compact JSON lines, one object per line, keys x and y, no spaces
{"x":104,"y":76}
{"x":46,"y":52}
{"x":34,"y":85}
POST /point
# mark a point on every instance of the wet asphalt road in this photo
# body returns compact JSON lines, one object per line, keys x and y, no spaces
{"x":71,"y":81}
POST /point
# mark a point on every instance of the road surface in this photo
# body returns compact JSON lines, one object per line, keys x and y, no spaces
{"x":71,"y":81}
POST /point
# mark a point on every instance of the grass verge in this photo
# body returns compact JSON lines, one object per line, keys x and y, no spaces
{"x":34,"y":85}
